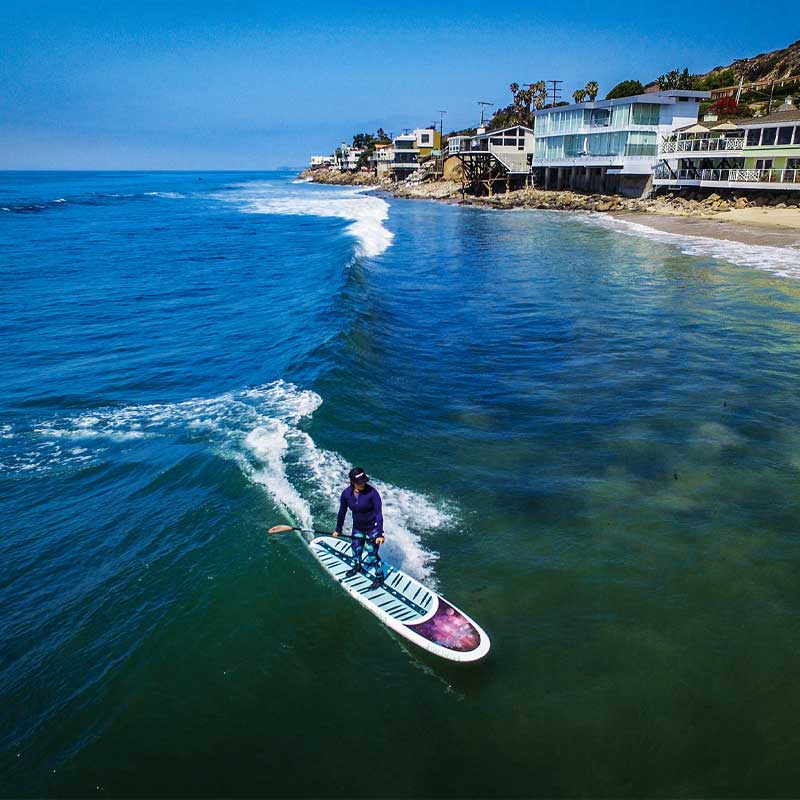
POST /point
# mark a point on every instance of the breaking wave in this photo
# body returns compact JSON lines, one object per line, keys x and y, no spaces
{"x":258,"y":429}
{"x":365,"y":212}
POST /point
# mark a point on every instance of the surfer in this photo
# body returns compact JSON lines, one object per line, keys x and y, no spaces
{"x":365,"y":503}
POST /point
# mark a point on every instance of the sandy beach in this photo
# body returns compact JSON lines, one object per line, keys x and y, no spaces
{"x":756,"y":226}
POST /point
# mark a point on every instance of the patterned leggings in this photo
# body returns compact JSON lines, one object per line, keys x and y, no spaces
{"x":361,"y":542}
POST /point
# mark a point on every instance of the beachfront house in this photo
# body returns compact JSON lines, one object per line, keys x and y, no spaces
{"x":429,"y":140}
{"x":492,"y":158}
{"x":404,"y":156}
{"x":410,"y":151}
{"x":608,"y":146}
{"x":383,"y":158}
{"x":757,"y":153}
{"x":322,"y":162}
{"x":346,"y":158}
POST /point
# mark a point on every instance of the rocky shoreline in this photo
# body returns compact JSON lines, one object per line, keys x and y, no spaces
{"x":766,"y":209}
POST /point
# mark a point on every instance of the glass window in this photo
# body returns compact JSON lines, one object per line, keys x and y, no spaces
{"x":641,"y":143}
{"x":785,"y":135}
{"x":797,"y":135}
{"x":769,"y":136}
{"x":753,"y":137}
{"x":646,"y":114}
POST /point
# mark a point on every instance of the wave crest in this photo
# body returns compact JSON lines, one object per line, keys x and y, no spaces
{"x":258,"y":429}
{"x":358,"y":205}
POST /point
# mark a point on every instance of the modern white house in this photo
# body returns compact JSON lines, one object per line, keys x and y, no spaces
{"x":320,"y":162}
{"x":404,"y":156}
{"x":608,"y":146}
{"x":757,"y":153}
{"x":347,"y":158}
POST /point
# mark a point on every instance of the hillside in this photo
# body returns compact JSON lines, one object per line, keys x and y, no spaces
{"x":772,"y":66}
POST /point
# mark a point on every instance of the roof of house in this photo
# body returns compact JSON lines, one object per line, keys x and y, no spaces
{"x":500,"y":131}
{"x":775,"y":118}
{"x":667,"y":97}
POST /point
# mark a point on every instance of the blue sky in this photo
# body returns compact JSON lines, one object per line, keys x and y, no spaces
{"x":245,"y":85}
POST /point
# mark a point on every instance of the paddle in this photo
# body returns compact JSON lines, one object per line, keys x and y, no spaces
{"x":287,"y":528}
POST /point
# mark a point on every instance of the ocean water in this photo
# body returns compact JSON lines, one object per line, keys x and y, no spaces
{"x":585,"y":432}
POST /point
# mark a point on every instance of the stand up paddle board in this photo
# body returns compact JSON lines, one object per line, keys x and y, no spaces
{"x":405,"y":605}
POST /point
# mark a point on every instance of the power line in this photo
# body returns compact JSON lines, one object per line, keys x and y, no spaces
{"x":483,"y":104}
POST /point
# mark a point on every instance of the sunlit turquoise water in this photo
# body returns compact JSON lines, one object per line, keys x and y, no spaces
{"x":586,"y":439}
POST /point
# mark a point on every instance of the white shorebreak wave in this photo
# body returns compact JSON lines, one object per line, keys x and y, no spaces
{"x":168,"y":195}
{"x":258,"y":429}
{"x":366,"y":212}
{"x":784,"y":261}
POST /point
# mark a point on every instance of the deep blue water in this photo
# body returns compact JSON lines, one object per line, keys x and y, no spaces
{"x":585,"y":436}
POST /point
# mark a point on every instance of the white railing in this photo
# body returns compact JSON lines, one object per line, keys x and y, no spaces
{"x":730,"y":175}
{"x":702,"y":145}
{"x":470,"y":147}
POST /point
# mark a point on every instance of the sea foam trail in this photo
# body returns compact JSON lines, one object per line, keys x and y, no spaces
{"x":258,"y":429}
{"x":364,"y":211}
{"x":784,"y":261}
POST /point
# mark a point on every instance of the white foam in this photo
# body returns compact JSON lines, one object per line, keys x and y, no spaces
{"x":407,"y":514}
{"x":268,"y":444}
{"x":257,"y":428}
{"x":366,"y":213}
{"x":783,"y":261}
{"x":168,"y":195}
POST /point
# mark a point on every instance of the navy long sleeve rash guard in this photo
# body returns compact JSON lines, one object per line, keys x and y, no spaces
{"x":367,"y":511}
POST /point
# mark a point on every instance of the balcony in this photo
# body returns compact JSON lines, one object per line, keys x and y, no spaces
{"x":702,"y":145}
{"x":454,"y":148}
{"x":776,"y":176}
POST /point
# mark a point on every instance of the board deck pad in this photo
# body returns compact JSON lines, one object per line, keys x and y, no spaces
{"x":405,"y":605}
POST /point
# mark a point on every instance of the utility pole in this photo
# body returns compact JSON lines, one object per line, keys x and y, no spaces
{"x":739,"y":90}
{"x":441,"y":123}
{"x":483,"y":104}
{"x":556,"y":90}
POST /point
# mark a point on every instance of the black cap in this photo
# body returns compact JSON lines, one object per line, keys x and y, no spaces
{"x":357,"y":475}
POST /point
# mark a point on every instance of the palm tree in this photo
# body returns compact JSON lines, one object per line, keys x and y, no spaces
{"x":591,"y":90}
{"x":539,"y":94}
{"x":578,"y":94}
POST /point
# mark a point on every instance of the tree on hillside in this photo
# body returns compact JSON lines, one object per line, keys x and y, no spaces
{"x":676,"y":79}
{"x":505,"y":118}
{"x":362,"y":141}
{"x":592,"y":88}
{"x":625,"y":89}
{"x":383,"y":138}
{"x":728,"y":107}
{"x":726,"y":77}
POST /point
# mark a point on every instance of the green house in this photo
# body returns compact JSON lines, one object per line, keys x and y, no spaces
{"x":756,"y":153}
